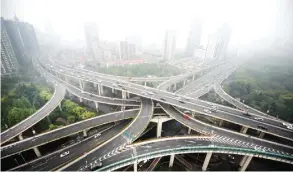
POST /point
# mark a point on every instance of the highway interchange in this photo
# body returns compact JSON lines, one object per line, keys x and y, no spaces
{"x":116,"y":144}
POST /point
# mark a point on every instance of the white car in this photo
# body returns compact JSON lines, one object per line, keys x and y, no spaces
{"x":64,"y":154}
{"x":151,"y":93}
{"x":97,"y":135}
{"x":258,"y":118}
{"x":207,"y":111}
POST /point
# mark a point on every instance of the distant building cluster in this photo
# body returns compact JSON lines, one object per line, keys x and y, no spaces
{"x":18,"y":45}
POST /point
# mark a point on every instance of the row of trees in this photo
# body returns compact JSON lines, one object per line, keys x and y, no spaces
{"x":141,"y":70}
{"x":265,"y":84}
{"x":21,"y":102}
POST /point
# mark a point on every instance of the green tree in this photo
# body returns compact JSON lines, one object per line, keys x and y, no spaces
{"x":87,"y":115}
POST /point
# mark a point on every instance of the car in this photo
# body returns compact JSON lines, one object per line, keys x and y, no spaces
{"x":207,"y":111}
{"x":180,"y":101}
{"x":64,"y":154}
{"x":262,"y":127}
{"x":187,"y":112}
{"x":258,"y":118}
{"x":186,"y":116}
{"x":213,"y":110}
{"x":97,"y":135}
{"x":115,"y":85}
{"x":246,"y":114}
{"x":96,"y":164}
{"x":151,"y":93}
{"x":144,"y":93}
{"x":215,"y":107}
{"x":163,"y":99}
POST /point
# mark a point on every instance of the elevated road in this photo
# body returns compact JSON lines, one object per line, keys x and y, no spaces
{"x":65,"y":131}
{"x":117,"y":143}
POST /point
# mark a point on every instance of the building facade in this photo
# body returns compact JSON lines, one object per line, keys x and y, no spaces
{"x":224,"y":34}
{"x":169,"y":45}
{"x":127,"y":51}
{"x":194,"y":38}
{"x":92,"y":41}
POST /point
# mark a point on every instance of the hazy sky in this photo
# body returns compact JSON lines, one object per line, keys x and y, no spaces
{"x":249,"y":19}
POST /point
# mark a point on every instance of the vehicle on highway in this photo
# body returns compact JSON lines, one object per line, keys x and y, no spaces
{"x":97,"y":135}
{"x":246,"y":114}
{"x":213,"y":110}
{"x":186,"y":116}
{"x":207,"y":111}
{"x":180,"y":101}
{"x":64,"y":154}
{"x":163,"y":99}
{"x":96,"y":164}
{"x":187,"y":112}
{"x":262,"y":127}
{"x":151,"y":93}
{"x":123,"y":88}
{"x":258,"y":118}
{"x":144,"y":93}
{"x":215,"y":107}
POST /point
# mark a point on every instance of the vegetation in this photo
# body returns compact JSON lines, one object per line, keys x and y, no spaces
{"x":20,"y":100}
{"x":141,"y":70}
{"x":211,"y":96}
{"x":266,"y":84}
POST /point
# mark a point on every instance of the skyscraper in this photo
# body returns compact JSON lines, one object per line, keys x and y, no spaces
{"x":18,"y":44}
{"x":9,"y":63}
{"x":127,"y":51}
{"x":223,"y":41}
{"x":92,"y":40}
{"x":194,"y":38}
{"x":211,"y":46}
{"x":169,"y":45}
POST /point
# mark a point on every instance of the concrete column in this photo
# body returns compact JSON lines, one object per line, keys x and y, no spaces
{"x":95,"y":85}
{"x":243,"y":130}
{"x":84,"y":133}
{"x":123,"y":94}
{"x":60,"y":108}
{"x":261,"y":135}
{"x":246,"y":163}
{"x":20,"y":136}
{"x":145,"y":83}
{"x":135,"y":166}
{"x":80,"y":99}
{"x":193,"y":77}
{"x":99,"y":90}
{"x":221,"y":123}
{"x":80,"y":84}
{"x":97,"y":105}
{"x":206,"y":161}
{"x":159,"y":128}
{"x":122,"y":108}
{"x":171,"y":160}
{"x":189,"y":130}
{"x":128,"y":95}
{"x":113,"y":90}
{"x":184,"y":83}
{"x":37,"y":152}
{"x":244,"y":158}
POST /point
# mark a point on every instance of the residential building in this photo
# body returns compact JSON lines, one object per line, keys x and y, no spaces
{"x":92,"y":40}
{"x":211,"y":46}
{"x":224,"y":34}
{"x":194,"y":38}
{"x":127,"y":51}
{"x":169,"y":45}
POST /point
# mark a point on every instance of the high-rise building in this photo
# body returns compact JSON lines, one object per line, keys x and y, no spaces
{"x":92,"y":40}
{"x":127,"y":51}
{"x":194,"y":38}
{"x":21,"y":37}
{"x":211,"y":46}
{"x":169,"y":45}
{"x":223,"y":41}
{"x":9,"y":64}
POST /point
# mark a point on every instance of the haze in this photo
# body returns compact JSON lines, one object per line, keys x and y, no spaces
{"x":250,"y":20}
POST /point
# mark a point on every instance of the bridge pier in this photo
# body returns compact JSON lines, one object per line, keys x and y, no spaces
{"x":184,"y":82}
{"x":80,"y":84}
{"x":193,"y":77}
{"x":135,"y":166}
{"x":124,"y":96}
{"x":159,"y":120}
{"x":206,"y":161}
{"x":245,"y":163}
{"x":172,"y":156}
{"x":97,"y":106}
{"x":99,"y":90}
{"x":113,"y":90}
{"x":84,"y":133}
{"x":37,"y":151}
{"x":95,"y":85}
{"x":60,"y":108}
{"x":145,"y":83}
{"x":189,"y":129}
{"x":20,"y":136}
{"x":261,"y":135}
{"x":221,"y":123}
{"x":80,"y":99}
{"x":243,"y":130}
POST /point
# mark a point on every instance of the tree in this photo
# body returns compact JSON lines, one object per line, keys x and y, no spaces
{"x":88,"y":114}
{"x":71,"y":119}
{"x":68,"y":105}
{"x":78,"y":111}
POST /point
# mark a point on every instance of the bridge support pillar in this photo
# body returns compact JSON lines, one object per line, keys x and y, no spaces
{"x":95,"y":85}
{"x":206,"y":161}
{"x":261,"y":135}
{"x":135,"y":166}
{"x":145,"y":83}
{"x":159,"y":120}
{"x":184,"y":83}
{"x":243,"y":130}
{"x":97,"y":105}
{"x":221,"y":123}
{"x":102,"y":90}
{"x":80,"y":84}
{"x":246,"y":163}
{"x":189,"y":129}
{"x":244,"y":158}
{"x":99,"y":90}
{"x":113,"y":91}
{"x":60,"y":107}
{"x":193,"y":77}
{"x":124,"y":95}
{"x":159,"y":128}
{"x":37,"y":151}
{"x":172,"y":156}
{"x":122,"y":108}
{"x":84,"y":133}
{"x":20,"y":136}
{"x":80,"y":99}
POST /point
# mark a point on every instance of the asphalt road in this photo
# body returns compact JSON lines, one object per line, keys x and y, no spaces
{"x":112,"y":146}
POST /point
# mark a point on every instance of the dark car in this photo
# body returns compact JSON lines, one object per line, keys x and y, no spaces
{"x":163,"y":99}
{"x":180,"y":101}
{"x":262,"y":127}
